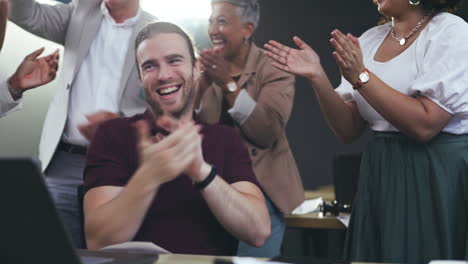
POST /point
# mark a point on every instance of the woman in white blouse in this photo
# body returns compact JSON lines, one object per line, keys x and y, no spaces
{"x":408,"y":81}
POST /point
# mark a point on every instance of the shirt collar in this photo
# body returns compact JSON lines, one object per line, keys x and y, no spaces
{"x":130,"y":22}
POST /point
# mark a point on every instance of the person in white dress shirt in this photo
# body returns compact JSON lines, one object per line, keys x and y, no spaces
{"x":406,"y":80}
{"x":99,"y":82}
{"x":31,"y":73}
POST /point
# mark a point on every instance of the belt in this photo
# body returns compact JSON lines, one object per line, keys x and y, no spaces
{"x":70,"y":148}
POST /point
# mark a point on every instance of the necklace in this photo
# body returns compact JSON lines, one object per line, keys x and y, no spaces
{"x":403,"y":39}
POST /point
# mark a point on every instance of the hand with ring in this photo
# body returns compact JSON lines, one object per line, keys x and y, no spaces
{"x":216,"y":67}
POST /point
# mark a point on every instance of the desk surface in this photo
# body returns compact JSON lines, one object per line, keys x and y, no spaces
{"x":123,"y":257}
{"x":198,"y":259}
{"x":316,"y":220}
{"x":313,"y":221}
{"x":188,"y":259}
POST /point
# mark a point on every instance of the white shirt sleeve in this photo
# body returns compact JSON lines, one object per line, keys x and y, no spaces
{"x":443,"y":75}
{"x":345,"y":90}
{"x":7,"y":103}
{"x":243,"y":107}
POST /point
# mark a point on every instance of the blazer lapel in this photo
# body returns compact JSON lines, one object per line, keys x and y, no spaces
{"x":250,"y":68}
{"x":88,"y":34}
{"x":130,"y":57}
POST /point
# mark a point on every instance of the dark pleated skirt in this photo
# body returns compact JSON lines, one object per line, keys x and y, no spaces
{"x":412,"y":200}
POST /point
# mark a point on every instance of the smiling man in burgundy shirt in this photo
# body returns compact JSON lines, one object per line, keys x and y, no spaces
{"x":186,"y":186}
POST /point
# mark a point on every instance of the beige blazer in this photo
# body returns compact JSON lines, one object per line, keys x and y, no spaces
{"x":75,"y":26}
{"x":264,"y":131}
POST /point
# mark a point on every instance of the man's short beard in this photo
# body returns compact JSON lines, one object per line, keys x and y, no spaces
{"x":155,"y":108}
{"x":187,"y":105}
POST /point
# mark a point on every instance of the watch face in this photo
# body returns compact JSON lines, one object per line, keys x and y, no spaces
{"x":232,"y":87}
{"x":364,"y":77}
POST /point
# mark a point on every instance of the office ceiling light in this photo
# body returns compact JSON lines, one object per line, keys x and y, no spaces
{"x":50,"y":2}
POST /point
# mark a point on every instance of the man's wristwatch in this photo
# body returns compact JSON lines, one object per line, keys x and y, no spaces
{"x":14,"y":92}
{"x":363,"y":79}
{"x":231,"y":87}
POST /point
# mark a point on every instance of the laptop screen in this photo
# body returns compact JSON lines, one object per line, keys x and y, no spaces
{"x":30,"y":228}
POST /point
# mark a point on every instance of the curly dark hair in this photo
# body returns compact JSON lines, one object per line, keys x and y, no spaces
{"x":441,"y":5}
{"x":434,"y":6}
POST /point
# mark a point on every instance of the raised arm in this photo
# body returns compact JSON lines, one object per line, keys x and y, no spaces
{"x":262,"y":120}
{"x":44,"y":20}
{"x":342,"y":117}
{"x":240,"y":207}
{"x":267,"y":122}
{"x":161,"y":162}
{"x":416,"y":116}
{"x":31,"y":73}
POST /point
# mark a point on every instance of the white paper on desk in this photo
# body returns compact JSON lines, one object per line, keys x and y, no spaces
{"x":448,"y":262}
{"x":248,"y":260}
{"x":344,"y":219}
{"x":308,"y":206}
{"x":137,"y":247}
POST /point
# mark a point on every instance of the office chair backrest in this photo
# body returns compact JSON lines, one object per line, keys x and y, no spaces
{"x":345,"y":176}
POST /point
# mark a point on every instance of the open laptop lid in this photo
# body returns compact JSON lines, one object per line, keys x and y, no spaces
{"x":30,"y":228}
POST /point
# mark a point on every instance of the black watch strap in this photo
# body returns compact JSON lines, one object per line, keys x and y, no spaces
{"x":202,"y":185}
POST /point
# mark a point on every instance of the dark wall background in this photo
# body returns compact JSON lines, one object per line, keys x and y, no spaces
{"x":313,"y":143}
{"x":311,"y":140}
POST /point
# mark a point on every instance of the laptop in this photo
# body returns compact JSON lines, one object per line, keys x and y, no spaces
{"x":30,"y":228}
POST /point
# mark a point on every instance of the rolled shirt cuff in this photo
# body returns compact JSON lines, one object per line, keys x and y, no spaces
{"x":198,"y":109}
{"x":7,"y":103}
{"x":243,"y":107}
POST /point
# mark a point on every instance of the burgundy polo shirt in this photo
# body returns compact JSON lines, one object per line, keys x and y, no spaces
{"x":179,"y":219}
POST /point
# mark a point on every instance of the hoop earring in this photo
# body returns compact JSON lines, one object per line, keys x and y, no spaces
{"x":414,"y":2}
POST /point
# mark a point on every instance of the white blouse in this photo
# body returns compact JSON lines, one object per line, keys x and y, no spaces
{"x":435,"y":66}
